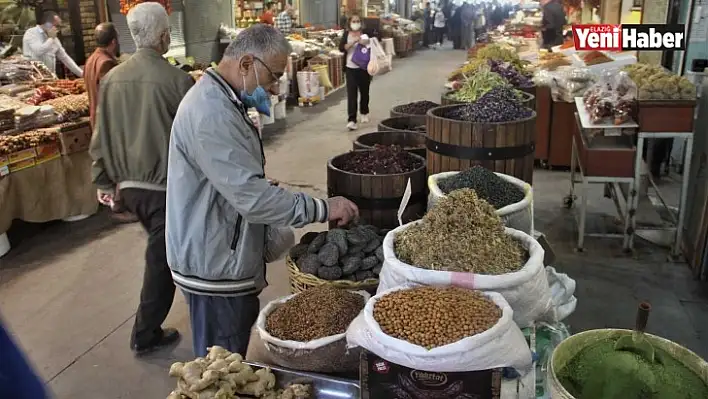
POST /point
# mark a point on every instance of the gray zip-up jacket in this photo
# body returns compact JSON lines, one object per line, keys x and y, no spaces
{"x":219,"y":202}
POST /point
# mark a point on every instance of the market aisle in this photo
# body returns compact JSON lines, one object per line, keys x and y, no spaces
{"x":70,"y":293}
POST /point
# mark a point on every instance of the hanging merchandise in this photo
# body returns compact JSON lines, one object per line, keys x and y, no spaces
{"x":126,"y":5}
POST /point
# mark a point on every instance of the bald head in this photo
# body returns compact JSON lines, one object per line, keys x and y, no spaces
{"x":106,"y":34}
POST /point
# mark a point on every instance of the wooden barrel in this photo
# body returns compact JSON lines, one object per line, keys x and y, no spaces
{"x":418,"y":119}
{"x":401,"y":124}
{"x":410,"y":141}
{"x":379,"y":196}
{"x":527,"y":99}
{"x":530,"y":90}
{"x":500,"y":147}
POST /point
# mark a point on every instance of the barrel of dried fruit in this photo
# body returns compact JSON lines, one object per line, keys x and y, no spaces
{"x":379,"y":196}
{"x":415,"y":110}
{"x":528,"y":99}
{"x":402,"y":124}
{"x":506,"y":147}
{"x":410,"y":141}
{"x":532,"y":91}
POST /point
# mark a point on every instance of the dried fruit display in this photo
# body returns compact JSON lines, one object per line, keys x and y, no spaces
{"x":595,"y":58}
{"x":498,"y":105}
{"x":41,"y":94}
{"x":656,"y":83}
{"x":75,"y":86}
{"x":416,"y":108}
{"x":126,"y":5}
{"x":316,"y":313}
{"x":435,"y":316}
{"x":70,"y":107}
{"x":23,"y":141}
{"x":613,"y":98}
{"x":382,"y":160}
{"x":462,"y":233}
{"x":478,"y":84}
{"x":222,"y":374}
{"x":354,"y":254}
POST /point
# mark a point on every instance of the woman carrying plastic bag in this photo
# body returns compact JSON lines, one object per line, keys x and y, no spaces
{"x":322,"y":355}
{"x":518,"y":216}
{"x":526,"y":290}
{"x":503,"y":345}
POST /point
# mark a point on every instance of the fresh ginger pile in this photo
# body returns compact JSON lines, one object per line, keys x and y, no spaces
{"x":223,"y":375}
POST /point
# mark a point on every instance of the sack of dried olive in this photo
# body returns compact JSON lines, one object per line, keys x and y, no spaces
{"x":517,"y":215}
{"x":526,"y":290}
{"x":502,"y":345}
{"x":328,"y":354}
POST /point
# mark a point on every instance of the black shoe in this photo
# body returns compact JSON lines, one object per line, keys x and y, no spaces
{"x":169,"y":336}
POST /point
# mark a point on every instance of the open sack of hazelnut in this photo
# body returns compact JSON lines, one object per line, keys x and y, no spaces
{"x":443,"y":329}
{"x":307,"y":331}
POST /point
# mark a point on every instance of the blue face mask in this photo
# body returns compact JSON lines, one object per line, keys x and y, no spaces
{"x":259,"y":99}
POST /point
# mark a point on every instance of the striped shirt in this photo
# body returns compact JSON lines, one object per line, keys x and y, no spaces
{"x":37,"y":46}
{"x":284,"y":22}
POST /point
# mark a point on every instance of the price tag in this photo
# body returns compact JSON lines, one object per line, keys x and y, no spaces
{"x":172,"y":60}
{"x":404,"y":202}
{"x":613,"y":132}
{"x":189,"y":61}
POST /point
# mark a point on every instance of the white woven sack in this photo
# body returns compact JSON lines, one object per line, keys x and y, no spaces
{"x":518,"y":216}
{"x":308,"y":84}
{"x":526,"y":290}
{"x":379,"y":63}
{"x":503,"y":345}
{"x":323,"y":355}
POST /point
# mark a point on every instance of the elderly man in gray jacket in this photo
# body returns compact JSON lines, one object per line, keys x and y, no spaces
{"x":219,"y":203}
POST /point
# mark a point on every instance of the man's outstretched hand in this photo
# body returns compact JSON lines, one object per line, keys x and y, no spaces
{"x":342,"y":210}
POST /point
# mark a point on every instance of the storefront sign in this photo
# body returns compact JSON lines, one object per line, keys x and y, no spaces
{"x":629,"y":37}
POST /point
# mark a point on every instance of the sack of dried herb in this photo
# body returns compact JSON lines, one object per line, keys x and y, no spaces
{"x":323,"y":316}
{"x":502,"y":345}
{"x":499,"y":190}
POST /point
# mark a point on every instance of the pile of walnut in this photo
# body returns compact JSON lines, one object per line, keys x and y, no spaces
{"x":223,"y":375}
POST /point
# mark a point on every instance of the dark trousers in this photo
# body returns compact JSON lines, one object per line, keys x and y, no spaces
{"x":223,"y":321}
{"x":158,"y":289}
{"x":358,"y":83}
{"x":439,"y":35}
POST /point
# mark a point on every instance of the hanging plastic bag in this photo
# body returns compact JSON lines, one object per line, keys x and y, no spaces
{"x":526,"y":290}
{"x":323,"y":355}
{"x":503,"y":345}
{"x":379,"y":63}
{"x":278,"y":242}
{"x":517,"y":216}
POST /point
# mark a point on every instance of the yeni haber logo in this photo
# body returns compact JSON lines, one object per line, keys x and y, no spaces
{"x":645,"y":37}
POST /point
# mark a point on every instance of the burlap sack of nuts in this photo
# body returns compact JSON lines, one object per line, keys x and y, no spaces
{"x":323,"y":355}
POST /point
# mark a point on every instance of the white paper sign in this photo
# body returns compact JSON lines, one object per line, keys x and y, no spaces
{"x":404,"y":202}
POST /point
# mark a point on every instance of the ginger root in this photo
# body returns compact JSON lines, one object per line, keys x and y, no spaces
{"x":261,"y":386}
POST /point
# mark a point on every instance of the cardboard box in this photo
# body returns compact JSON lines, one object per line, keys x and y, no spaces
{"x":47,"y":152}
{"x":75,"y":140}
{"x":21,"y":165}
{"x":4,"y":160}
{"x":380,"y":378}
{"x":21,"y":155}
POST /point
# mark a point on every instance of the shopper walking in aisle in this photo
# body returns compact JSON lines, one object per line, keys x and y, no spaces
{"x":468,"y":24}
{"x":220,"y":206}
{"x":427,"y":24}
{"x":439,"y":25}
{"x":284,"y":20}
{"x":102,"y":60}
{"x":41,"y":44}
{"x":269,"y":13}
{"x":455,"y":27}
{"x":358,"y":79}
{"x":17,"y":378}
{"x":552,"y":23}
{"x":137,"y":103}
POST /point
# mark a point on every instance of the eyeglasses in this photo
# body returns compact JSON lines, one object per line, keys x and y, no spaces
{"x":275,"y":76}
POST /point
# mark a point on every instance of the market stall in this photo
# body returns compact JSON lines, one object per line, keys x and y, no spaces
{"x":44,"y":137}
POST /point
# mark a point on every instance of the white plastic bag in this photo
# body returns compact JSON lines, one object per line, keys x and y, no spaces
{"x":562,"y":293}
{"x":323,"y":355}
{"x":278,"y":242}
{"x":526,"y":290}
{"x":308,"y":84}
{"x":518,"y":216}
{"x":379,"y":63}
{"x":503,"y":345}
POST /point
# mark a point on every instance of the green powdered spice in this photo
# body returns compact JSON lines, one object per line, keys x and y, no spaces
{"x":601,"y":372}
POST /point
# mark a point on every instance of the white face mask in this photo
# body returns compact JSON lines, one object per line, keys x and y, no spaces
{"x":356,"y":26}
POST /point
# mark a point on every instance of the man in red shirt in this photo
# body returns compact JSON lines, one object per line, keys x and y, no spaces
{"x":97,"y":66}
{"x":269,"y":13}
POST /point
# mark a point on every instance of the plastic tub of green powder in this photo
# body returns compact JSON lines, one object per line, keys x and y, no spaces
{"x":586,"y":366}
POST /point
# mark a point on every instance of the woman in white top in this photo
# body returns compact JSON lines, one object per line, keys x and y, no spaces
{"x":439,"y":25}
{"x":358,"y":78}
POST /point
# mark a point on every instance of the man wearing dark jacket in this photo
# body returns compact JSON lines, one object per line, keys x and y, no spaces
{"x":427,"y":24}
{"x":552,"y":23}
{"x":137,"y":103}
